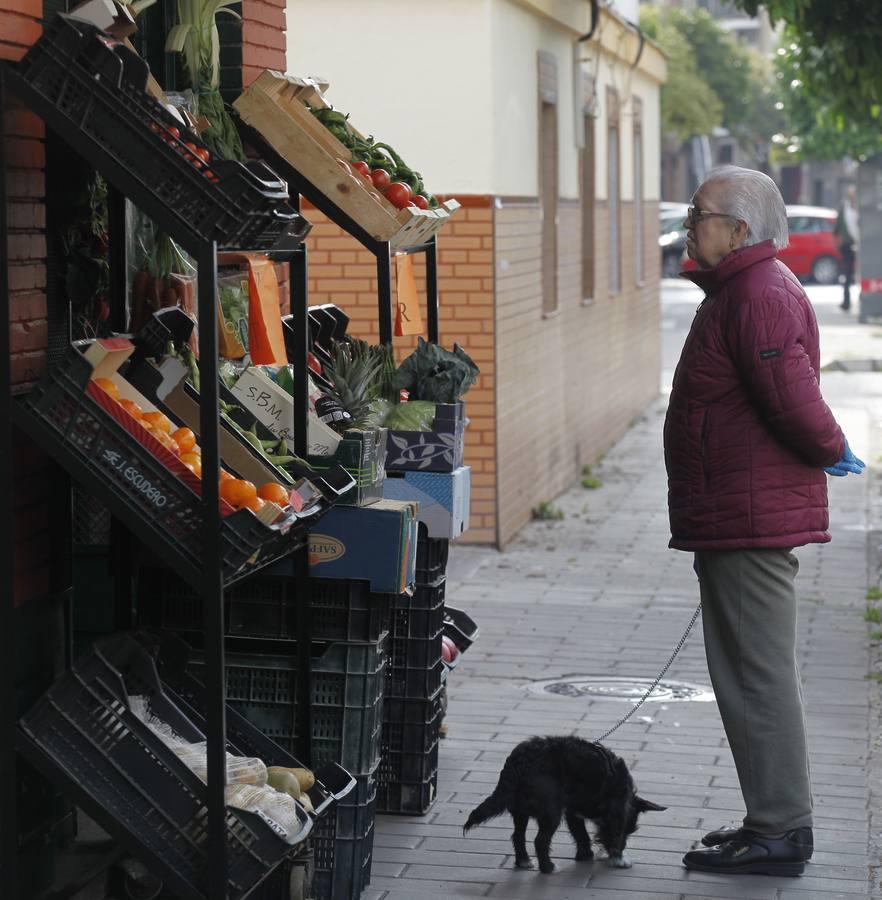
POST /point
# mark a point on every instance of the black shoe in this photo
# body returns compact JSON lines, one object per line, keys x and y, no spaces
{"x":845,"y":306}
{"x":802,"y":836}
{"x":751,"y":854}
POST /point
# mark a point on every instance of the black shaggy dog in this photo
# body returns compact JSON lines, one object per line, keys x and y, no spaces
{"x":545,"y":778}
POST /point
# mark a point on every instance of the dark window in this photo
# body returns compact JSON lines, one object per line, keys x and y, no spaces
{"x":548,"y":194}
{"x":615,"y":262}
{"x":588,"y":199}
{"x":549,"y":178}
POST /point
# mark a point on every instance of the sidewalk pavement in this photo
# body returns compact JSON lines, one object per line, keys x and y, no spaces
{"x":599,"y":593}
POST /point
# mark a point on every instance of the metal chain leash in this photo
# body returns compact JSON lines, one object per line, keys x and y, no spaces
{"x":661,"y":675}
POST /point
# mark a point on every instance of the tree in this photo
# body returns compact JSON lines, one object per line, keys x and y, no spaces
{"x":689,"y":106}
{"x":712,"y":81}
{"x":816,"y":126}
{"x":834,"y":50}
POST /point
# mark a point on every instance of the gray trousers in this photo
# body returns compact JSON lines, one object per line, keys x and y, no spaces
{"x":749,"y":617}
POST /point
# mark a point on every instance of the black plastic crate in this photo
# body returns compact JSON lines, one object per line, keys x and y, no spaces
{"x":266,"y":607}
{"x":420,"y":615}
{"x":408,"y":773}
{"x":69,"y":425}
{"x":93,"y":94}
{"x":432,"y":556}
{"x":413,"y":795}
{"x":460,"y":627}
{"x":347,"y":699}
{"x":415,"y":664}
{"x":83,"y":734}
{"x":344,"y":847}
{"x":411,"y":726}
{"x":415,"y":667}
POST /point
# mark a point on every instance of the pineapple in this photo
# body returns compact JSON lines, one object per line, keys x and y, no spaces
{"x":354,"y":375}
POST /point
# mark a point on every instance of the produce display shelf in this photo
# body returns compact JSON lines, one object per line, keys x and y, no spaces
{"x":83,"y":734}
{"x":266,"y":607}
{"x":90,"y":89}
{"x":158,"y":506}
{"x":275,"y":106}
{"x":129,"y":139}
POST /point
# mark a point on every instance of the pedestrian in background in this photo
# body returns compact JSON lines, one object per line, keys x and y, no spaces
{"x":848,"y":235}
{"x":747,"y":440}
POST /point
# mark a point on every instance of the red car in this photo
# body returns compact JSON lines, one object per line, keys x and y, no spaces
{"x":813,"y":252}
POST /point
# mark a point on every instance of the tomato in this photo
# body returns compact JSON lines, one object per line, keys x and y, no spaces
{"x":192,"y":157}
{"x":203,"y":154}
{"x":398,"y":194}
{"x":362,"y":168}
{"x":420,"y":201}
{"x":174,"y":132}
{"x":381,"y":179}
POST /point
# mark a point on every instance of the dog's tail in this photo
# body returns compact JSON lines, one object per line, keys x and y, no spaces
{"x":493,"y":806}
{"x":498,"y":802}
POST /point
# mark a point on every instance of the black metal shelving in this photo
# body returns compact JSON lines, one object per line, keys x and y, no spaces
{"x":382,"y":250}
{"x":211,"y":580}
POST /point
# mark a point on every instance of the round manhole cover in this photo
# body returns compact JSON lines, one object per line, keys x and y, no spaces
{"x":604,"y":687}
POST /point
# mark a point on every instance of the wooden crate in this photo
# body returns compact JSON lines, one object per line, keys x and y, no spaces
{"x":276,"y":106}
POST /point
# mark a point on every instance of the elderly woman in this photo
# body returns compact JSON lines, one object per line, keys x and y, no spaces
{"x":748,"y":438}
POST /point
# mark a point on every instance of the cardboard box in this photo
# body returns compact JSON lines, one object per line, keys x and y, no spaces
{"x":114,"y":18}
{"x":374,"y":543}
{"x":439,"y":450}
{"x":443,"y":498}
{"x":273,"y":406}
{"x":362,"y":452}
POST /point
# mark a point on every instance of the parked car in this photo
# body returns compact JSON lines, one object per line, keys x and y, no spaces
{"x":813,"y":252}
{"x":672,"y":237}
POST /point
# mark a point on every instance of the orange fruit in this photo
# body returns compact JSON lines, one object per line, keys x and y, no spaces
{"x":194,"y":467}
{"x":158,"y":419}
{"x":274,"y":492}
{"x":132,"y":408}
{"x":238,"y":492}
{"x":185,"y":438}
{"x":167,"y":441}
{"x":191,"y":458}
{"x":255,"y":505}
{"x":108,"y":387}
{"x":225,"y":475}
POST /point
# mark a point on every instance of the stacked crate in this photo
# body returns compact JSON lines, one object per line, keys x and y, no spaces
{"x":412,"y":710}
{"x":349,"y":665}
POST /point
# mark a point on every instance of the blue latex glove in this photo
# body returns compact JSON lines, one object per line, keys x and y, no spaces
{"x":847,"y":463}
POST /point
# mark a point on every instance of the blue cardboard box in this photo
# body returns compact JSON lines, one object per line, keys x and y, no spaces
{"x":443,"y":498}
{"x":375,"y":543}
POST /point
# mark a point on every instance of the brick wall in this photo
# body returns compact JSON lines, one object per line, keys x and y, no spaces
{"x":25,"y":160}
{"x":263,"y":38}
{"x":569,"y":383}
{"x":343,"y":272}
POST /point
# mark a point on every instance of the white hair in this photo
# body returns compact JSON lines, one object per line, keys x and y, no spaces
{"x":753,"y":198}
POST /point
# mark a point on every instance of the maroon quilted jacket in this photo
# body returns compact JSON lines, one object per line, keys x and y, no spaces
{"x":747,"y":432}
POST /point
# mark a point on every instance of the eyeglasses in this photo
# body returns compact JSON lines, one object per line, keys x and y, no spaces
{"x":695,"y":214}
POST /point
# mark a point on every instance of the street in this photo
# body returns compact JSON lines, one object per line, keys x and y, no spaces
{"x":597,"y":601}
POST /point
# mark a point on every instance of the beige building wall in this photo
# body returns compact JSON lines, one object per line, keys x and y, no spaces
{"x":557,"y":389}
